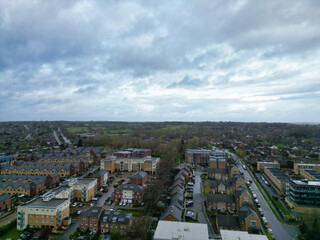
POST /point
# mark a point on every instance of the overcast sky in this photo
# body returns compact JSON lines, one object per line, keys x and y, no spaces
{"x":160,"y":60}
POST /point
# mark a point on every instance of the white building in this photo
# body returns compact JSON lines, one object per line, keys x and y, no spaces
{"x":168,"y":230}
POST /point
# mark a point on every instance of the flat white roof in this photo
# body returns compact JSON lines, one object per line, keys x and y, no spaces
{"x":308,"y":164}
{"x":240,"y":235}
{"x":167,"y":230}
{"x":310,"y":183}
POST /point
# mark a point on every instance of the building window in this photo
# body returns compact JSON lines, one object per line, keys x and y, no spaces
{"x":253,"y":223}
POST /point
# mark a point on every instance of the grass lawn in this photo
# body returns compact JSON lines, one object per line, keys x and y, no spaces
{"x":13,"y":233}
{"x":77,"y":129}
{"x":135,"y":213}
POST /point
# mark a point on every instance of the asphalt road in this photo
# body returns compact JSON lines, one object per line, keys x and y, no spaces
{"x":280,"y":230}
{"x":198,"y":200}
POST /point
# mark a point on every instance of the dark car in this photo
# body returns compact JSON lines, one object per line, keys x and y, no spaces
{"x":110,"y":202}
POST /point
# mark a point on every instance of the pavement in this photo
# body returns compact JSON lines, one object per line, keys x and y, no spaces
{"x":280,"y":230}
{"x":8,"y":219}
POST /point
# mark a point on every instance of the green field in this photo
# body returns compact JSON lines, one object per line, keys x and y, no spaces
{"x":77,"y":129}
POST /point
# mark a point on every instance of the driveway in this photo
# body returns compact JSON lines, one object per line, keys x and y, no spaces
{"x":8,"y":219}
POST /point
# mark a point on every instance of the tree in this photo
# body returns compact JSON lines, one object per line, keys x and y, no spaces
{"x":80,"y":143}
{"x":206,"y":188}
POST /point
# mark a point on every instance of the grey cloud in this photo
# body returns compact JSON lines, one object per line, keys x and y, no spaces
{"x":187,"y":82}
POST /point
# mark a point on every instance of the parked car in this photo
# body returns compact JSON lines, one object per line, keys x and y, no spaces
{"x":120,"y":204}
{"x":94,"y":199}
{"x":62,"y":228}
{"x":250,"y":181}
{"x":79,"y":212}
{"x":91,"y":204}
{"x":256,"y":200}
{"x":254,"y":196}
{"x":75,"y":204}
{"x":189,"y":203}
{"x":113,"y":209}
{"x":81,"y":205}
{"x":110,"y":202}
{"x":142,"y":204}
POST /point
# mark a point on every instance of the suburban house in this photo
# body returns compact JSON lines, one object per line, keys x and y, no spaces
{"x":172,"y":213}
{"x":242,"y":197}
{"x":5,"y":204}
{"x":133,"y":193}
{"x":226,"y":222}
{"x":139,"y":178}
{"x":248,"y":218}
{"x":90,"y":219}
{"x":116,"y":220}
{"x":221,"y":202}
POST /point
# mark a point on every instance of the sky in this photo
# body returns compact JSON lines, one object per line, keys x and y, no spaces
{"x":203,"y":60}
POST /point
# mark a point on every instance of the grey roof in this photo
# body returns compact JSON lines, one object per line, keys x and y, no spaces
{"x":240,"y":191}
{"x":228,"y":221}
{"x":227,"y":198}
{"x":54,"y":202}
{"x":246,"y":211}
{"x":177,"y":190}
{"x":139,"y":175}
{"x":99,"y":174}
{"x":4,"y":197}
{"x":132,"y":187}
{"x":92,"y":212}
{"x":279,"y":174}
{"x":115,"y":216}
{"x":174,"y":211}
{"x":217,"y":170}
{"x":215,"y":184}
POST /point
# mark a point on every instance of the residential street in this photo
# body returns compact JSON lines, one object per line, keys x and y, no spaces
{"x":280,"y":230}
{"x":198,"y":199}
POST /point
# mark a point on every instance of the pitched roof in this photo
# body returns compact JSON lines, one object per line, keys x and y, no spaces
{"x":227,"y":198}
{"x":92,"y":212}
{"x":139,"y":175}
{"x":228,"y":221}
{"x":215,"y":184}
{"x":174,"y":211}
{"x":4,"y":197}
{"x":217,"y":170}
{"x":116,"y":217}
{"x":246,"y":211}
{"x":132,"y":187}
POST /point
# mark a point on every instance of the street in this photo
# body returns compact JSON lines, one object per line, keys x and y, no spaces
{"x":198,"y":200}
{"x":280,"y":230}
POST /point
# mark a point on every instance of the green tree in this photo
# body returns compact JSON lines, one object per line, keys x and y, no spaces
{"x":206,"y":188}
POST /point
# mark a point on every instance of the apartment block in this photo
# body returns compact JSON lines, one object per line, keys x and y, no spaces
{"x":46,"y":212}
{"x":85,"y":189}
{"x":139,"y":178}
{"x":310,"y":174}
{"x":262,"y":164}
{"x":303,"y":194}
{"x":101,"y":176}
{"x":277,"y":178}
{"x":198,"y":156}
{"x":298,"y":166}
{"x":147,"y":164}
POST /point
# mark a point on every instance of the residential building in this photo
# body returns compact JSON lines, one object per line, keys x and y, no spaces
{"x":101,"y":176}
{"x":139,"y":178}
{"x":303,"y":194}
{"x":228,"y":222}
{"x":242,"y":197}
{"x":298,"y":166}
{"x":26,"y":188}
{"x":221,"y":202}
{"x":198,"y":156}
{"x":45,"y":212}
{"x":90,"y":219}
{"x":277,"y":179}
{"x":116,"y":220}
{"x":5,"y":204}
{"x":147,"y":164}
{"x":172,"y":213}
{"x":262,"y":164}
{"x":85,"y":189}
{"x":133,"y":193}
{"x":310,"y":174}
{"x":133,"y":153}
{"x":248,"y":218}
{"x":7,"y":159}
{"x":168,"y":230}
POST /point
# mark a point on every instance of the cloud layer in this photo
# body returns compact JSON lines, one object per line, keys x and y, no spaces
{"x":160,"y":60}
